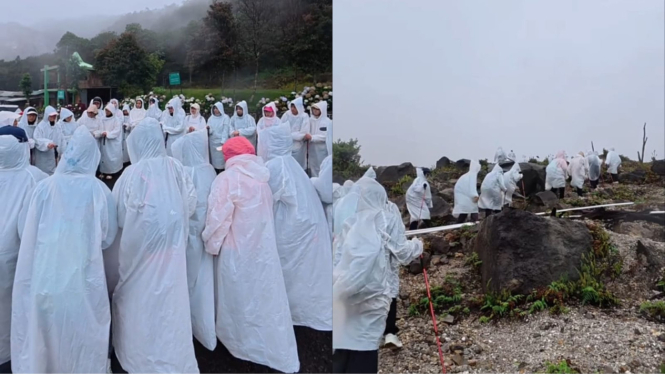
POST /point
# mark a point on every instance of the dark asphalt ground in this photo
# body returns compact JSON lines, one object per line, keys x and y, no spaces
{"x":314,"y":350}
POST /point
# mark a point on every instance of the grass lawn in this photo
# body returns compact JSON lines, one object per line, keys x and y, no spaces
{"x":238,"y":95}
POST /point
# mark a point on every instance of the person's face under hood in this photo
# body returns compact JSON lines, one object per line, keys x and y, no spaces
{"x":98,"y":104}
{"x":239,"y":111}
{"x":51,"y":120}
{"x":32,"y":118}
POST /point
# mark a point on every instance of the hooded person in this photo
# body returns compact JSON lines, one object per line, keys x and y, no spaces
{"x":173,"y":123}
{"x":511,"y":179}
{"x":90,"y":119}
{"x":194,"y":121}
{"x":28,"y":123}
{"x":59,"y":295}
{"x":613,"y":162}
{"x":362,"y":290}
{"x":219,"y":126}
{"x":324,"y":183}
{"x":116,"y":104}
{"x":9,"y":119}
{"x":126,"y":129}
{"x":594,"y":168}
{"x":17,"y":181}
{"x":67,"y":125}
{"x":153,"y":110}
{"x":156,"y":198}
{"x":192,"y":151}
{"x":492,"y":191}
{"x":299,"y":121}
{"x":512,"y":156}
{"x":302,"y":232}
{"x":253,"y":317}
{"x":556,"y":174}
{"x":346,"y":207}
{"x":579,"y":171}
{"x":268,"y":120}
{"x":419,"y":200}
{"x":99,"y":103}
{"x":243,"y":124}
{"x":466,"y":194}
{"x":500,"y":156}
{"x":109,"y":136}
{"x":319,"y":125}
{"x":48,"y":141}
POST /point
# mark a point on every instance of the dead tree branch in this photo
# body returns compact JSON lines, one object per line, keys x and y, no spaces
{"x":640,"y":156}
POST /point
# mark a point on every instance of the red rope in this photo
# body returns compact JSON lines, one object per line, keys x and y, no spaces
{"x":431,"y":305}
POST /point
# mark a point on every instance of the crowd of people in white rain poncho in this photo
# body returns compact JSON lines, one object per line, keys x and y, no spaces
{"x":200,"y":237}
{"x":370,"y":244}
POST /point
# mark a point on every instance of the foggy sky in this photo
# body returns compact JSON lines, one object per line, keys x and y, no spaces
{"x":417,"y":80}
{"x":31,"y":12}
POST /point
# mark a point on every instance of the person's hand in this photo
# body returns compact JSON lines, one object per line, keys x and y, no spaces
{"x":475,"y":199}
{"x":50,"y":146}
{"x":236,"y":133}
{"x":191,"y":129}
{"x":104,"y":134}
{"x":208,"y":127}
{"x":308,"y":137}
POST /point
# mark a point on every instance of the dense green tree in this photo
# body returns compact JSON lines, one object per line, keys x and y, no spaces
{"x":26,"y":86}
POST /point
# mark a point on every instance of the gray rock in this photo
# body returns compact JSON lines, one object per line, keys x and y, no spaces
{"x":533,"y":177}
{"x":443,"y":162}
{"x":635,"y":176}
{"x":522,"y":252}
{"x":416,"y":267}
{"x":392,"y":174}
{"x":448,"y":195}
{"x":463,"y":164}
{"x":658,"y":167}
{"x":547,"y":199}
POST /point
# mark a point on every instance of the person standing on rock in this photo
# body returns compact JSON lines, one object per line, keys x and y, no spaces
{"x":594,"y":168}
{"x":613,"y":162}
{"x":556,"y":174}
{"x":511,"y":179}
{"x":512,"y":156}
{"x":500,"y":156}
{"x":466,"y":194}
{"x":579,"y":170}
{"x":492,"y":192}
{"x":419,"y":199}
{"x":363,"y":285}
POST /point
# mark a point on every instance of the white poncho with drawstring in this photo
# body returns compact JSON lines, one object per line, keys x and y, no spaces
{"x":299,"y":128}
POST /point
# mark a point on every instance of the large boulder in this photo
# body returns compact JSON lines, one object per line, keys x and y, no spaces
{"x":443,"y":162}
{"x":533,"y":178}
{"x":658,"y":167}
{"x":463,"y":164}
{"x":635,"y":176}
{"x":522,"y":252}
{"x":547,"y":199}
{"x":392,"y":174}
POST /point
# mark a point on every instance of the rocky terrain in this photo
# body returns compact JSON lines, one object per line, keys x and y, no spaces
{"x":521,"y":293}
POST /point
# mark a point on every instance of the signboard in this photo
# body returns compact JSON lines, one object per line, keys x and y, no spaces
{"x":174,"y":79}
{"x":61,"y":95}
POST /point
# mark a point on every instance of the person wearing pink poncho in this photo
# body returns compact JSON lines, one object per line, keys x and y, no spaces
{"x":253,"y":317}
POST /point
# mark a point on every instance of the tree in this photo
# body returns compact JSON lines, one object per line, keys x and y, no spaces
{"x":640,"y":156}
{"x":346,"y":159}
{"x":70,"y":43}
{"x":124,"y":64}
{"x":256,"y":18}
{"x":26,"y":86}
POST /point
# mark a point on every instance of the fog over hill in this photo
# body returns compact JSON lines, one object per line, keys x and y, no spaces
{"x":39,"y":33}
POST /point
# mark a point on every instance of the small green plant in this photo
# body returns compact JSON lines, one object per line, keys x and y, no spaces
{"x":662,"y":368}
{"x":655,"y":310}
{"x":537,"y":306}
{"x":413,"y":310}
{"x":484,"y":319}
{"x":561,"y":367}
{"x":473,"y":260}
{"x":661,"y":283}
{"x":402,"y":185}
{"x":446,"y":299}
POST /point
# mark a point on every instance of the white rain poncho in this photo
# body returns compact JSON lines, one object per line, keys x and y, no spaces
{"x":324,"y":183}
{"x":126,"y":129}
{"x":613,"y":161}
{"x":253,"y":318}
{"x":397,"y":240}
{"x":196,"y":121}
{"x":302,"y":232}
{"x":362,"y":278}
{"x":152,"y":326}
{"x":512,"y":178}
{"x":245,"y":125}
{"x":153,"y":110}
{"x":173,"y":125}
{"x":466,"y":191}
{"x":67,"y":128}
{"x":419,"y":197}
{"x":45,"y":134}
{"x":136,"y":115}
{"x":578,"y":170}
{"x":299,"y":128}
{"x":556,"y":172}
{"x":192,"y":151}
{"x":118,"y":112}
{"x":594,"y":165}
{"x":500,"y":156}
{"x":110,"y":144}
{"x":60,"y":307}
{"x":27,"y":127}
{"x":317,"y":146}
{"x":17,"y":180}
{"x":219,"y":133}
{"x":345,"y":207}
{"x":263,"y":124}
{"x":512,"y":156}
{"x":492,"y":190}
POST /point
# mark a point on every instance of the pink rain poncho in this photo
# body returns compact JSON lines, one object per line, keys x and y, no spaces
{"x":253,"y":318}
{"x":556,"y":172}
{"x":192,"y":151}
{"x":17,"y":180}
{"x":152,"y":325}
{"x":60,"y":307}
{"x":303,"y":236}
